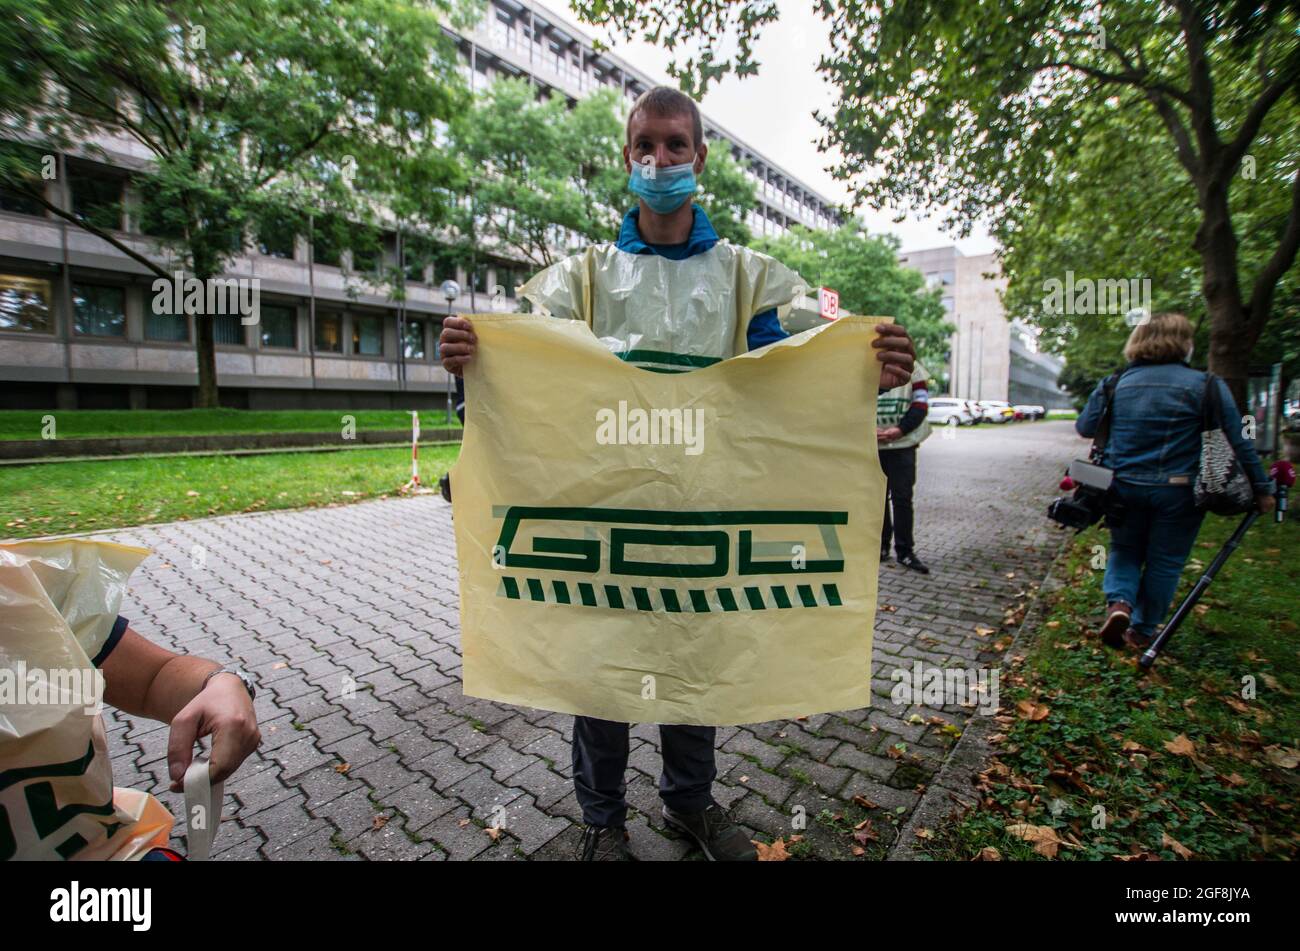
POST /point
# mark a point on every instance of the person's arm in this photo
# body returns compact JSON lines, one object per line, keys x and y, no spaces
{"x":917,"y":410}
{"x":764,"y":328}
{"x":1086,"y":424}
{"x":1230,"y":423}
{"x":143,"y":679}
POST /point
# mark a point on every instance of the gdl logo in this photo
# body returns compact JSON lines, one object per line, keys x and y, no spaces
{"x":639,"y":544}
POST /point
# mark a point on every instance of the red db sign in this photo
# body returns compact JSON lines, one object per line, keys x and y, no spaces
{"x":829,"y":301}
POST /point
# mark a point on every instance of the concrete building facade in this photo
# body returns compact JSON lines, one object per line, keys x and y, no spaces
{"x":77,"y":329}
{"x":989,"y":357}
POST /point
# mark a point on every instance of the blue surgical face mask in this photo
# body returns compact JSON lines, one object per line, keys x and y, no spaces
{"x":668,"y":190}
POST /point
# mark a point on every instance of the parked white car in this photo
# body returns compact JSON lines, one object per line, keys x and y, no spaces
{"x":1026,"y":411}
{"x":996,"y":411}
{"x":946,"y":411}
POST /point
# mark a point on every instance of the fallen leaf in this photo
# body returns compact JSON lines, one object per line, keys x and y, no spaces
{"x":1283,"y":757}
{"x":1032,"y":711}
{"x":989,"y":854}
{"x":771,"y":853}
{"x":493,"y":833}
{"x":379,"y":822}
{"x":342,"y":768}
{"x":1181,"y":746}
{"x":864,"y":802}
{"x":1182,"y":851}
{"x":1043,"y":838}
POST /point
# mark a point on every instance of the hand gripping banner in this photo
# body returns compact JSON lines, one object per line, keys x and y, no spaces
{"x":697,"y":547}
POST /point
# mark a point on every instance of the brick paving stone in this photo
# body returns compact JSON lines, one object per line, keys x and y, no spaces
{"x":313,"y":599}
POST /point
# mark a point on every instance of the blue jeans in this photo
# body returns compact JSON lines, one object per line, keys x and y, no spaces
{"x":1148,"y":552}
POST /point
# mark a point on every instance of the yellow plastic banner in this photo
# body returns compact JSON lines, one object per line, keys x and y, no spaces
{"x":697,"y":547}
{"x":58,"y":602}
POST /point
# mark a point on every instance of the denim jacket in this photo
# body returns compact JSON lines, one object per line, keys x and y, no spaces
{"x":1155,"y":429}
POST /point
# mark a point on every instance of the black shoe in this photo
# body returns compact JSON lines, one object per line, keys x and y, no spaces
{"x":884,"y":554}
{"x":600,"y":844}
{"x":444,"y":486}
{"x":911,"y":561}
{"x":713,"y":831}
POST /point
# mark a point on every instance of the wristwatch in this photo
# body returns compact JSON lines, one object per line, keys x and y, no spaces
{"x":239,"y":672}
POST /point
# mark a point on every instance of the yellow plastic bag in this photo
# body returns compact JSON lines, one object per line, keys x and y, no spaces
{"x":695,"y":548}
{"x":58,"y":603}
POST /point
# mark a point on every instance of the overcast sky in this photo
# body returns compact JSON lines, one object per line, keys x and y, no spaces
{"x":773,"y":111}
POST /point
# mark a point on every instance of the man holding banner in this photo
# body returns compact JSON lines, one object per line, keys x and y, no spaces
{"x":667,"y":297}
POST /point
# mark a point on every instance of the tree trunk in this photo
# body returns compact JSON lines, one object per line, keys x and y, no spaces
{"x":1230,"y":339}
{"x":206,"y":351}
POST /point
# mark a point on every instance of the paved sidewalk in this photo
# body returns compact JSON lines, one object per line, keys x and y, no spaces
{"x":409,"y":768}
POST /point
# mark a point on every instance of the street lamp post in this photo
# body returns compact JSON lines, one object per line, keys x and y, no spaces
{"x":450,"y":291}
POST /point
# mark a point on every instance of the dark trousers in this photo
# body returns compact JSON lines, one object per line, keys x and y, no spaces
{"x":900,"y":469}
{"x":600,"y":749}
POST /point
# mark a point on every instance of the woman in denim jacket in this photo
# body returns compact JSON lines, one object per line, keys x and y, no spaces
{"x":1155,"y":451}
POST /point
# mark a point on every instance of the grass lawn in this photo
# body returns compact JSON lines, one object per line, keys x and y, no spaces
{"x":1195,"y":761}
{"x":112,"y":423}
{"x":61,"y":497}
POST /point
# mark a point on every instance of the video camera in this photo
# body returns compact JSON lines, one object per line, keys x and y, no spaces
{"x":1092,"y":500}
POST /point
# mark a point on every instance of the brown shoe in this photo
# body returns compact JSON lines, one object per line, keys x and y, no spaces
{"x":1139,"y":642}
{"x":1118,"y":615}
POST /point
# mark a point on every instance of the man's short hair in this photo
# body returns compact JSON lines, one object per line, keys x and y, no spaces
{"x":667,"y":101}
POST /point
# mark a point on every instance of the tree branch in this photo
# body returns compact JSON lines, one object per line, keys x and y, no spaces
{"x":1254,"y":119}
{"x":1261,"y":296}
{"x":1186,"y":151}
{"x":92,"y":229}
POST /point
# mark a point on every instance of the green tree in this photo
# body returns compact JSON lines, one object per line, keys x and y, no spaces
{"x":864,"y":269}
{"x":536,"y":168}
{"x":539,"y":168}
{"x":244,"y":108}
{"x":976,"y":108}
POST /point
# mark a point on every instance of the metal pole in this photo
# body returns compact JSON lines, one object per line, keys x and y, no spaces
{"x":311,"y":295}
{"x":449,"y":386}
{"x":401,"y":314}
{"x":66,"y":326}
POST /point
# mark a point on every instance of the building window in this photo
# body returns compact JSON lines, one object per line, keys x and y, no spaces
{"x":227,"y":329}
{"x":413,"y":346}
{"x":166,"y":327}
{"x":25,"y":304}
{"x":329,"y":332}
{"x":277,"y":234}
{"x":20,"y":204}
{"x":100,"y":310}
{"x":367,"y":252}
{"x":279,"y":326}
{"x":97,"y":199}
{"x":327,"y":242}
{"x":368,"y":336}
